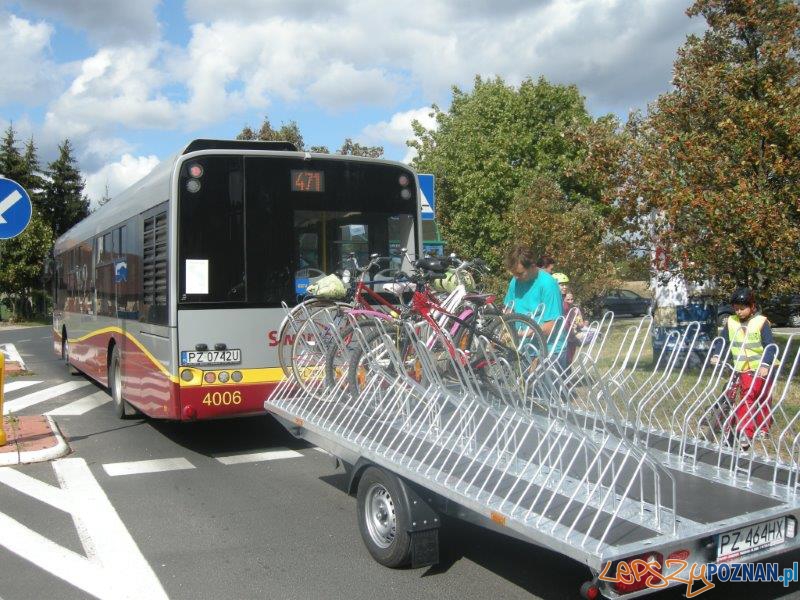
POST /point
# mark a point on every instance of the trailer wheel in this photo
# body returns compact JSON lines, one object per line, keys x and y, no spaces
{"x":382,"y":520}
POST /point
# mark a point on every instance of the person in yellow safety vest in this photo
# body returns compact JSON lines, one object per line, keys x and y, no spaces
{"x":749,"y":334}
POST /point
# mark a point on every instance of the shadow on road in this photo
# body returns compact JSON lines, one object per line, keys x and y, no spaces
{"x":246,"y":434}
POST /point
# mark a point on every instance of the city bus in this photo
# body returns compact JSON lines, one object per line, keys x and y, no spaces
{"x":171,"y":293}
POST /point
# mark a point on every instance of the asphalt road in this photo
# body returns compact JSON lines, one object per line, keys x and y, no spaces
{"x":280,"y":528}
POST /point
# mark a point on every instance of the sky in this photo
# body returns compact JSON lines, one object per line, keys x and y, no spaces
{"x":130,"y":83}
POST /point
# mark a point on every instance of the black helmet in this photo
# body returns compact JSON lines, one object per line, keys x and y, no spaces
{"x":743,"y":295}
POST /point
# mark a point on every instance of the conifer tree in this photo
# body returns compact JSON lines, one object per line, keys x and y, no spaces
{"x":33,"y":181}
{"x":64,"y":203}
{"x":12,"y":165}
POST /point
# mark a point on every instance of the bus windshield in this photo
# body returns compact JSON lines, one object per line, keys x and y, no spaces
{"x":255,"y":231}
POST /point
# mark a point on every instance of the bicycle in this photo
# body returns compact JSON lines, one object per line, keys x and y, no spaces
{"x":356,"y":295}
{"x":481,"y":339}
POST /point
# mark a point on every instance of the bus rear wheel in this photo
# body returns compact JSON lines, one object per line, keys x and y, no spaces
{"x":121,"y":408}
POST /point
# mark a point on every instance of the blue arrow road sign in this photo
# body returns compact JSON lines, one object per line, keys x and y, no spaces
{"x":15,"y":209}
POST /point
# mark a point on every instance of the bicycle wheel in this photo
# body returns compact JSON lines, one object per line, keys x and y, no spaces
{"x":373,"y":353}
{"x":291,"y":324}
{"x":337,"y":358}
{"x":319,"y":332}
{"x":512,"y":338}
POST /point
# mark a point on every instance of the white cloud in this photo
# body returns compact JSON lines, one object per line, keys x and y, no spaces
{"x":28,"y":74}
{"x":619,"y":52}
{"x":118,"y":175}
{"x":342,"y":86}
{"x":115,"y":86}
{"x":397,"y":130}
{"x":235,"y":66}
{"x":108,"y":22}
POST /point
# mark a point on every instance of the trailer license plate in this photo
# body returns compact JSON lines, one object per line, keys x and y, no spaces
{"x":211,"y":357}
{"x":747,"y":540}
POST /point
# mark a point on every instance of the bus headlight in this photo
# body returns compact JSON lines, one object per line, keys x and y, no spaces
{"x":193,"y":186}
{"x":223,"y":377}
{"x":236,"y":376}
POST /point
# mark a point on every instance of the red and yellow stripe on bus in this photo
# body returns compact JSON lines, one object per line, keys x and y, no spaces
{"x":151,"y":388}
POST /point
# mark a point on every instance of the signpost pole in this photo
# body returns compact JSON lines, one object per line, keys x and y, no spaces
{"x":3,"y":439}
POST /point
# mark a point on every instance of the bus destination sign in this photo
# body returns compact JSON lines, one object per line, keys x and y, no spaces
{"x":307,"y":181}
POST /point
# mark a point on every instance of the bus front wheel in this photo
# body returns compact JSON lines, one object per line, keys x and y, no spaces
{"x":121,"y":408}
{"x":65,"y":354}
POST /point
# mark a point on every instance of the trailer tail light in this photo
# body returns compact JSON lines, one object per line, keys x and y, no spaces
{"x":679,"y":555}
{"x":639,"y":575}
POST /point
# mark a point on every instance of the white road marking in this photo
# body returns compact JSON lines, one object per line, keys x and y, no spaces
{"x":113,"y":566}
{"x":235,"y":459}
{"x":42,"y":396}
{"x":55,"y":497}
{"x":81,"y":406}
{"x":20,"y":341}
{"x":147,"y":466}
{"x":13,"y":386}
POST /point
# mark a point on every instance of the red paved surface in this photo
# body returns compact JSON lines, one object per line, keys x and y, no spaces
{"x":28,"y":433}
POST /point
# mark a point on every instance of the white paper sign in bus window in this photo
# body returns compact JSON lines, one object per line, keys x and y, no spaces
{"x":196,"y":276}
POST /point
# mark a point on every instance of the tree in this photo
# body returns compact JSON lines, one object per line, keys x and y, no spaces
{"x":497,"y":153}
{"x":33,"y":182}
{"x":351,"y":148}
{"x":64,"y":202}
{"x":21,"y":264}
{"x":573,"y":232}
{"x":106,"y":197}
{"x":288,"y":132}
{"x":712,"y":173}
{"x":12,"y":165}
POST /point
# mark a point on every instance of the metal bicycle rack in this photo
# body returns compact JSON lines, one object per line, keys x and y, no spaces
{"x":600,"y":462}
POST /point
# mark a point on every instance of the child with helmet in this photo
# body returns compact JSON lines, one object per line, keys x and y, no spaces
{"x":753,"y":353}
{"x":573,"y":315}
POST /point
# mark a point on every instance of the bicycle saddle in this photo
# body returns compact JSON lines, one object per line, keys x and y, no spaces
{"x":434,"y":265}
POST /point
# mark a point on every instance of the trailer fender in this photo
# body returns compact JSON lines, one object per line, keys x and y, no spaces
{"x":417,"y":501}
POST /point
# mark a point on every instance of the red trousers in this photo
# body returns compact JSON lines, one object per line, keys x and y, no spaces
{"x":753,"y":408}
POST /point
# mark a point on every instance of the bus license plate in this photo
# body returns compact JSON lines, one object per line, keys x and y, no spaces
{"x":739,"y":542}
{"x":211,"y":357}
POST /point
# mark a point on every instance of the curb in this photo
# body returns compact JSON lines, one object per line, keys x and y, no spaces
{"x":14,"y":362}
{"x":60,"y":449}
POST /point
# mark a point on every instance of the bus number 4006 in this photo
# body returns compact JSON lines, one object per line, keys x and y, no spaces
{"x":222,"y":398}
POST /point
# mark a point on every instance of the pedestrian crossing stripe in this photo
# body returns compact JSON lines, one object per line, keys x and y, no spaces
{"x":82,"y":406}
{"x":50,"y":393}
{"x":13,"y":386}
